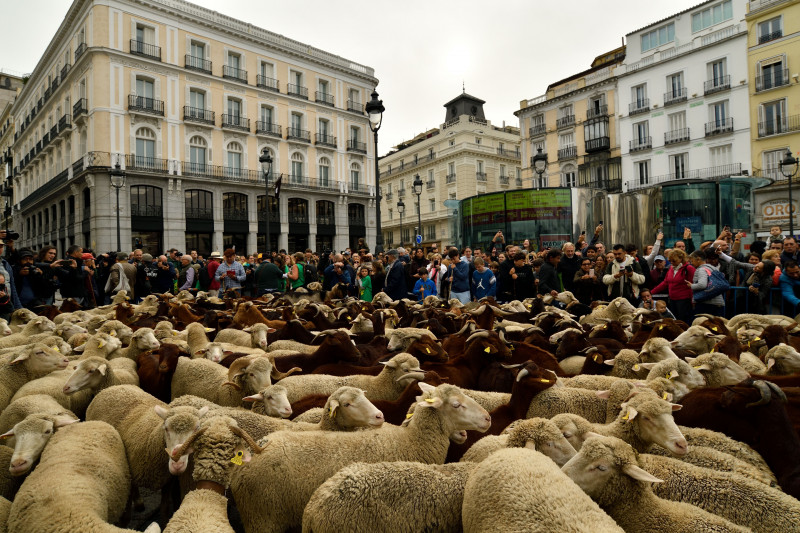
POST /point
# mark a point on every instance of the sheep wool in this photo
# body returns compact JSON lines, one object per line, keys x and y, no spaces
{"x":517,"y":489}
{"x":201,"y":511}
{"x":537,"y":434}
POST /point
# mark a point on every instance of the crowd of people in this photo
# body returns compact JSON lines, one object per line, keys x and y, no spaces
{"x":680,"y":282}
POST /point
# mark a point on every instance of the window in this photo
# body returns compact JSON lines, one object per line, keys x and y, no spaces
{"x":772,"y":118}
{"x":144,"y":93}
{"x":663,"y":35}
{"x":772,"y":163}
{"x":675,"y":85}
{"x":234,"y":159}
{"x":323,"y":87}
{"x":198,"y":50}
{"x":296,"y":78}
{"x":595,"y":129}
{"x":641,"y":132}
{"x":324,"y":172}
{"x":566,"y":140}
{"x":769,"y":30}
{"x":568,"y":178}
{"x":267,"y":69}
{"x":199,"y":204}
{"x":355,"y":134}
{"x":712,"y":15}
{"x":596,"y":104}
{"x":234,"y":206}
{"x":719,"y":113}
{"x":677,"y":121}
{"x":642,"y":170}
{"x":716,"y":72}
{"x":537,"y":125}
{"x":197,"y":99}
{"x":145,"y":147}
{"x":432,"y":204}
{"x":502,"y":171}
{"x":234,"y":60}
{"x":296,"y":122}
{"x":537,"y":145}
{"x":266,"y":115}
{"x":354,"y":95}
{"x":639,"y":96}
{"x":234,"y":109}
{"x":721,"y":155}
{"x":677,"y":166}
{"x":355,"y":176}
{"x":431,"y":232}
{"x":480,"y":167}
{"x":197,"y":154}
{"x":477,"y":140}
{"x":323,"y":128}
{"x":771,"y":73}
{"x":325,"y":213}
{"x":451,"y":172}
{"x":452,"y":142}
{"x":297,"y":168}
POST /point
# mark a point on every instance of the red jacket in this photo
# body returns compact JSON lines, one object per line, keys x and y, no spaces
{"x":675,"y":284}
{"x":211,"y":267}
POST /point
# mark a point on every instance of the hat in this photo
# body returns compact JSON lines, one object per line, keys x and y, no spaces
{"x":659,"y":258}
{"x":122,"y":256}
{"x":147,"y":257}
{"x":215,"y":255}
{"x":393,"y":252}
{"x":85,"y":256}
{"x":26,"y":252}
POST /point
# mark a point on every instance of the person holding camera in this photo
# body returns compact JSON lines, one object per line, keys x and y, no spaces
{"x":6,"y":302}
{"x":623,"y":276}
{"x":32,"y":285}
{"x":72,"y":275}
{"x":165,"y":276}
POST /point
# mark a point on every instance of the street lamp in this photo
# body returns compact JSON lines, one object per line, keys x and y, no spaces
{"x":539,"y":162}
{"x":789,"y":169}
{"x":266,"y":164}
{"x":401,"y":208}
{"x":117,"y":176}
{"x":418,"y":191}
{"x":375,"y":109}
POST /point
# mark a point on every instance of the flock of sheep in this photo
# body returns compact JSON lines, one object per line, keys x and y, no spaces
{"x":348,"y":416}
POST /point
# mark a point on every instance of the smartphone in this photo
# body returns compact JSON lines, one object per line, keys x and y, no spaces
{"x":583,"y":232}
{"x":601,"y":222}
{"x":628,"y":268}
{"x":591,"y":272}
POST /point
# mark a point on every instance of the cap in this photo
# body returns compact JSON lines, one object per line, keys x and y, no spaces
{"x":393,"y":252}
{"x":147,"y":257}
{"x":659,"y":258}
{"x":26,"y":252}
{"x":84,"y":256}
{"x":122,"y":256}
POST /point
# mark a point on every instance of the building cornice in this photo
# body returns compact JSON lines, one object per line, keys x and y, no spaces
{"x":567,"y":96}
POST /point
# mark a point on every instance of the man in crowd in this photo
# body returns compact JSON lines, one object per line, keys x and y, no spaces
{"x":165,"y":275}
{"x":790,"y":287}
{"x":396,"y":286}
{"x":186,"y":273}
{"x":569,"y":265}
{"x":230,"y":273}
{"x":790,"y":252}
{"x":548,"y":278}
{"x":623,"y":276}
{"x":29,"y":279}
{"x":71,"y":274}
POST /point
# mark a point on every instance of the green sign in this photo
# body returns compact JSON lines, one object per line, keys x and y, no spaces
{"x":695,"y":104}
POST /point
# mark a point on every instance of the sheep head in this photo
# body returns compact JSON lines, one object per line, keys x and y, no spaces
{"x":656,"y":349}
{"x":457,"y":411}
{"x":250,"y":374}
{"x":31,"y":435}
{"x":89,"y":373}
{"x":543,"y":436}
{"x":39,"y":359}
{"x":403,"y":367}
{"x":782,"y":359}
{"x":272,"y":401}
{"x":718,"y":369}
{"x":181,"y":426}
{"x":679,"y":372}
{"x":650,"y":418}
{"x":145,"y":339}
{"x":351,"y":409}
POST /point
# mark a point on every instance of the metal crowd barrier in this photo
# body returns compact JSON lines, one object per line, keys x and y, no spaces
{"x":737,"y":302}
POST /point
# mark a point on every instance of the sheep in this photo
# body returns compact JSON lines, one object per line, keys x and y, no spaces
{"x":782,"y":360}
{"x":655,"y":350}
{"x":683,"y":376}
{"x":96,"y":374}
{"x":538,"y":434}
{"x":19,"y":318}
{"x":196,"y":336}
{"x":272,"y":493}
{"x":721,"y":462}
{"x":752,"y":364}
{"x":618,"y":309}
{"x":226,"y":387}
{"x":254,"y":336}
{"x":401,"y":338}
{"x":60,"y":496}
{"x":5,"y":329}
{"x":697,"y":339}
{"x":626,"y":364}
{"x":387,"y":385}
{"x":33,"y":331}
{"x":9,"y":484}
{"x":608,"y":470}
{"x":754,"y":321}
{"x":742,"y":501}
{"x":723,"y":443}
{"x":31,"y":435}
{"x":34,"y":361}
{"x":99,"y":345}
{"x":142,"y":340}
{"x":115,"y":328}
{"x":389,"y":496}
{"x":522,"y":490}
{"x":18,"y":409}
{"x":272,"y":401}
{"x":717,"y":369}
{"x":5,"y":508}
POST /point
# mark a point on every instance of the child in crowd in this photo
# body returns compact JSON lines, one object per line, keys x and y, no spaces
{"x":661,"y":309}
{"x":6,"y":306}
{"x":364,"y":284}
{"x":424,"y":287}
{"x":484,"y":282}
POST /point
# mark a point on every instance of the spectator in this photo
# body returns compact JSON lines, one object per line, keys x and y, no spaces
{"x":459,"y":276}
{"x":424,"y":287}
{"x":775,"y":257}
{"x":186,"y":274}
{"x":436,"y":271}
{"x":601,"y":291}
{"x":44,"y":261}
{"x":395,"y":276}
{"x":680,"y":295}
{"x":522,"y":278}
{"x":647,"y":300}
{"x":759,"y":284}
{"x":590,"y":252}
{"x":71,"y":275}
{"x":122,"y":276}
{"x":790,"y":251}
{"x":30,"y":280}
{"x":142,"y":285}
{"x":775,"y":233}
{"x":548,"y":279}
{"x":211,"y":267}
{"x":569,"y":266}
{"x":150,"y":272}
{"x":663,"y":310}
{"x":6,"y":303}
{"x":505,"y":284}
{"x":776,"y":245}
{"x":378,"y":277}
{"x":468,"y":255}
{"x":174,"y":258}
{"x":295,"y":275}
{"x":268,"y":277}
{"x":584,"y":282}
{"x":484,"y":283}
{"x":364,"y":284}
{"x":230,"y":273}
{"x":623,"y":276}
{"x":659,"y":271}
{"x":652,"y":253}
{"x":497,"y":245}
{"x":92,"y":296}
{"x":790,"y":287}
{"x":704,"y":262}
{"x":165,"y":275}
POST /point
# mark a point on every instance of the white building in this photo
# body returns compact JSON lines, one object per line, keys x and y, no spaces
{"x":683,"y":97}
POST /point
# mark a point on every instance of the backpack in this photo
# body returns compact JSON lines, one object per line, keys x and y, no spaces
{"x":205,"y":278}
{"x":310,"y":273}
{"x":717,"y":284}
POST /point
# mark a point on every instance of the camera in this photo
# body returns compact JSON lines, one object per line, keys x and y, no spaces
{"x":2,"y":287}
{"x":628,"y":268}
{"x":12,"y":235}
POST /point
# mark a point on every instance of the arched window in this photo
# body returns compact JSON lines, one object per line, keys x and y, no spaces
{"x":355,"y":177}
{"x":355,"y":215}
{"x":198,"y":155}
{"x":323,"y":175}
{"x":298,"y":211}
{"x":199,"y":204}
{"x":325,"y":213}
{"x":568,"y":176}
{"x":145,"y":148}
{"x":145,"y":201}
{"x":298,"y":172}
{"x":234,"y":159}
{"x":234,"y":206}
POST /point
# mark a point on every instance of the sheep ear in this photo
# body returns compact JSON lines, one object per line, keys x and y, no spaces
{"x":7,"y":434}
{"x":201,"y":351}
{"x":648,"y":366}
{"x":80,"y":348}
{"x":640,"y":474}
{"x":426,"y":387}
{"x":207,"y":330}
{"x":161,"y":411}
{"x":113,"y":333}
{"x":203,"y":411}
{"x":102,"y":369}
{"x":64,"y":420}
{"x":332,"y":406}
{"x":690,"y":360}
{"x":676,"y":406}
{"x":591,"y":434}
{"x":673,"y":374}
{"x":631,"y":414}
{"x":20,"y":358}
{"x":248,"y":329}
{"x":674,"y":343}
{"x":603,"y":394}
{"x":389,"y":364}
{"x":431,"y":402}
{"x":101,"y":343}
{"x":254,"y":398}
{"x":609,"y":362}
{"x":618,"y":303}
{"x":704,"y":366}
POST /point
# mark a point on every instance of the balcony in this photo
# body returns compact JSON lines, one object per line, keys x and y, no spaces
{"x":273,"y":216}
{"x":81,"y":107}
{"x":430,"y":184}
{"x":612,"y":185}
{"x":642,"y":143}
{"x":401,"y":193}
{"x":138,"y":210}
{"x":298,"y":134}
{"x":776,"y":127}
{"x":509,"y":153}
{"x":64,"y":123}
{"x":54,"y":132}
{"x":357,"y":221}
{"x":504,"y":180}
{"x":268,"y":128}
{"x":323,"y":139}
{"x":297,"y":90}
{"x":354,"y":106}
{"x":231,"y":213}
{"x":537,"y":129}
{"x":450,"y":178}
{"x":565,"y":121}
{"x":389,"y":196}
{"x":718,"y":84}
{"x":235,"y":122}
{"x":675,"y":97}
{"x":355,"y":187}
{"x":480,"y":176}
{"x":271,"y":84}
{"x":79,"y":51}
{"x":594,"y":112}
{"x":518,"y":182}
{"x":639,"y":106}
{"x":146,"y":164}
{"x":600,"y":144}
{"x":142,"y":104}
{"x":197,"y":63}
{"x":570,"y":152}
{"x":200,"y":213}
{"x":767,"y":37}
{"x":719,"y":127}
{"x":710,"y":173}
{"x":323,"y":98}
{"x":298,"y":218}
{"x":234,"y":73}
{"x":236,"y":174}
{"x":143,"y":49}
{"x":240,"y":175}
{"x":197,"y":115}
{"x":64,"y":70}
{"x":772,"y":79}
{"x":356,"y":146}
{"x":677,"y":136}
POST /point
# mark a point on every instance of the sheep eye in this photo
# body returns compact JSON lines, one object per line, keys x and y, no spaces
{"x":602,"y":468}
{"x":269,"y":397}
{"x":47,"y":432}
{"x":567,"y":434}
{"x":346,"y":405}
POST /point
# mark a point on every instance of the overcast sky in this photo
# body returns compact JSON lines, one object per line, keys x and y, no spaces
{"x":503,"y":51}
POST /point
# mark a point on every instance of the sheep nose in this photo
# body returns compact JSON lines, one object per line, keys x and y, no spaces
{"x":379,"y":415}
{"x":681,"y":447}
{"x":17,"y":463}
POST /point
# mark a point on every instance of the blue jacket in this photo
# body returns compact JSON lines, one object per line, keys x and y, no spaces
{"x":430,"y":288}
{"x":790,"y":289}
{"x":396,"y":281}
{"x":230,"y":283}
{"x":484,"y":284}
{"x":335,"y":278}
{"x":460,"y":277}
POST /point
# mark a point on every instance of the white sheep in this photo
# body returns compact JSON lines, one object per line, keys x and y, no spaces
{"x":782,"y":360}
{"x":537,"y":434}
{"x":618,"y":309}
{"x":96,"y":374}
{"x":679,"y":372}
{"x":33,"y":362}
{"x":5,"y":329}
{"x":31,"y":435}
{"x":752,"y":364}
{"x":254,"y":336}
{"x":99,"y":345}
{"x":20,"y":408}
{"x":81,"y":484}
{"x":697,"y":339}
{"x":626,"y":364}
{"x":223,"y":386}
{"x":718,"y":369}
{"x":20,"y":317}
{"x":517,"y":489}
{"x":272,"y":401}
{"x":273,"y":491}
{"x":608,"y":470}
{"x":116,"y":328}
{"x":142,"y":340}
{"x":656,"y":350}
{"x":754,"y":321}
{"x":34,"y":331}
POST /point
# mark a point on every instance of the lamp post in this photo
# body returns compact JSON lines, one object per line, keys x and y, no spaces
{"x":266,"y":164}
{"x":418,"y":191}
{"x":789,"y":169}
{"x":401,"y":208}
{"x":117,"y":176}
{"x":375,"y":109}
{"x":539,"y":162}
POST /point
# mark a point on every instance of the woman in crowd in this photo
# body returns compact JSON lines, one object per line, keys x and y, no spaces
{"x":435,"y":272}
{"x":759,"y":283}
{"x":378,"y":277}
{"x":674,"y":284}
{"x":600,"y":290}
{"x":584,"y":281}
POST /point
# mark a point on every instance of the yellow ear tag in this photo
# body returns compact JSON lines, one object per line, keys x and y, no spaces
{"x":665,"y":396}
{"x":409,"y":415}
{"x":597,"y":358}
{"x":113,"y":333}
{"x":428,"y":327}
{"x":625,"y":417}
{"x":56,"y":349}
{"x":488,"y":349}
{"x":636,"y":367}
{"x":528,"y":306}
{"x":427,"y":350}
{"x":714,"y":349}
{"x":660,"y":327}
{"x":237,"y":459}
{"x":669,"y":375}
{"x":545,"y":380}
{"x":100,"y":344}
{"x":757,"y":338}
{"x":429,"y":400}
{"x":696,"y":367}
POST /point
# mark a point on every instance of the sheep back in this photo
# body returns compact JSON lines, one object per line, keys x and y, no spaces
{"x":201,"y":510}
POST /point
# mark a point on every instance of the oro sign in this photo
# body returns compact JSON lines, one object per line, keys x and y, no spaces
{"x":776,"y":212}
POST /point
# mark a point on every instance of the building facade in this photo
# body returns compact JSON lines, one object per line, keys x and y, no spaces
{"x":574,"y":124}
{"x":683,"y":97}
{"x":10,"y":85}
{"x":465,"y":156}
{"x":185,"y":100}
